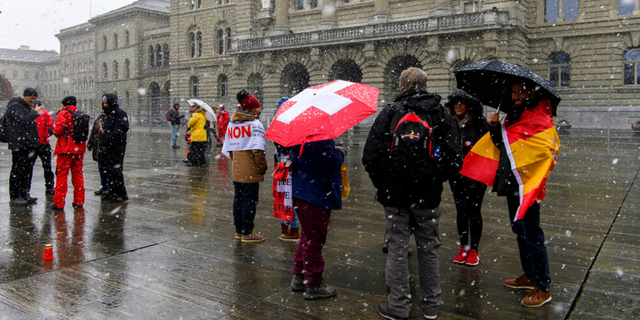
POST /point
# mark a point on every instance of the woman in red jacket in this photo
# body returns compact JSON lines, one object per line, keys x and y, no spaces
{"x":70,"y":156}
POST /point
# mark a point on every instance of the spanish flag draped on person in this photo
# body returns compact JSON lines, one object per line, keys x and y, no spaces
{"x":533,"y":147}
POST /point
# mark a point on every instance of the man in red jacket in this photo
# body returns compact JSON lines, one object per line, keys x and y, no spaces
{"x":70,"y":157}
{"x":45,"y":123}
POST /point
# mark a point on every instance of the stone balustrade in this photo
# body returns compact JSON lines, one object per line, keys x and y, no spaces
{"x":378,"y":31}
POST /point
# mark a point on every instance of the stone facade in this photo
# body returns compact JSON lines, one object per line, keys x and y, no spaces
{"x":29,"y":68}
{"x":212,"y":49}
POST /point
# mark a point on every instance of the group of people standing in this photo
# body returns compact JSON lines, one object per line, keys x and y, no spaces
{"x":28,"y":127}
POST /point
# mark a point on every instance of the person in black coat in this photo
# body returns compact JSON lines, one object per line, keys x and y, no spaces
{"x":468,"y":193}
{"x":93,"y":145}
{"x":113,"y":137}
{"x":412,"y":198}
{"x":22,"y":131}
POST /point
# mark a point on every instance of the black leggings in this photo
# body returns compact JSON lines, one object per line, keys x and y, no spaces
{"x":468,"y":195}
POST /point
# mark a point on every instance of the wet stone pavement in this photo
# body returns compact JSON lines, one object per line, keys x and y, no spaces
{"x":169,"y":253}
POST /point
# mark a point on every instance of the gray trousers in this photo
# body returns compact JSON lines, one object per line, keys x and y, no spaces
{"x":399,"y":224}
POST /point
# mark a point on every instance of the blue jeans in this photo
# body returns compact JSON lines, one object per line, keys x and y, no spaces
{"x":174,"y":133}
{"x":533,"y":251}
{"x":104,"y":181}
{"x":244,"y":206}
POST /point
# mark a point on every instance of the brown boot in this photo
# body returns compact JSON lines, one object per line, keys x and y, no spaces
{"x":536,"y":298}
{"x":285,"y":228}
{"x":252,"y":238}
{"x":292,"y":235}
{"x":521,"y":282}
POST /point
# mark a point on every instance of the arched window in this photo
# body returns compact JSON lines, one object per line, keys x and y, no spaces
{"x":127,"y":69}
{"x":115,"y":70}
{"x":104,"y":43}
{"x":127,"y":39}
{"x":26,"y":75}
{"x":165,"y":55}
{"x":560,"y":70}
{"x":158,"y":56}
{"x":199,"y":43}
{"x":227,"y":33}
{"x":151,"y":57}
{"x":224,"y":40}
{"x":223,"y":85}
{"x":105,"y":72}
{"x":192,"y":44}
{"x":74,"y":85}
{"x":193,"y":86}
{"x":632,"y":66}
{"x":90,"y":65}
{"x":115,"y":41}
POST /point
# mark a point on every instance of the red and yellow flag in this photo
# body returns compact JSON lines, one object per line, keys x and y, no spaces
{"x":533,"y":147}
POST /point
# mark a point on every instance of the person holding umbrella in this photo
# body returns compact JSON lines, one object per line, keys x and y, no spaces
{"x":467,"y":193}
{"x":196,"y":156}
{"x":308,"y":122}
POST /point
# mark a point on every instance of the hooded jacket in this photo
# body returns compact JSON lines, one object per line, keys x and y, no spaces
{"x":376,"y":154}
{"x":93,"y":143}
{"x":315,"y":174}
{"x":44,"y":122}
{"x":475,"y":127}
{"x":113,"y":136}
{"x":196,"y":126}
{"x":247,"y":166}
{"x":21,"y":125}
{"x":62,"y":130}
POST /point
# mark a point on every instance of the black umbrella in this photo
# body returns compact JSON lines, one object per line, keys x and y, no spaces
{"x":491,"y":81}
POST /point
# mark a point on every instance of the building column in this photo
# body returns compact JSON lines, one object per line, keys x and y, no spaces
{"x":381,"y":12}
{"x":328,"y":15}
{"x":441,"y":8}
{"x":282,"y":18}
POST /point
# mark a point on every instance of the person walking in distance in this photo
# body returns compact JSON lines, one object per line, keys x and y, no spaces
{"x":70,"y":156}
{"x":412,"y":148}
{"x":173,"y":115}
{"x":113,"y":137}
{"x":468,"y":193}
{"x":223,"y":122}
{"x":45,"y":123}
{"x":22,"y":131}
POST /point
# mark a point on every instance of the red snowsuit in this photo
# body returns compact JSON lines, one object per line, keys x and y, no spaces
{"x":223,"y":122}
{"x":70,"y":157}
{"x":44,"y":121}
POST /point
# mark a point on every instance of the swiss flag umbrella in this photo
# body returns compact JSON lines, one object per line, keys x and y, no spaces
{"x":322,"y":112}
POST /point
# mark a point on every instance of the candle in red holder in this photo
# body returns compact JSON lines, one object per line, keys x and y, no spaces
{"x":48,"y":252}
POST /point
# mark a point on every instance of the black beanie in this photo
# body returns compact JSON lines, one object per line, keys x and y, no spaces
{"x":69,"y":101}
{"x":30,"y":92}
{"x":242,"y":94}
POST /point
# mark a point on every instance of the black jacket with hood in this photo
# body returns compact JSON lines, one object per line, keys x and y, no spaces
{"x":21,"y":126}
{"x":113,"y":137}
{"x":475,"y":127}
{"x":376,"y":154}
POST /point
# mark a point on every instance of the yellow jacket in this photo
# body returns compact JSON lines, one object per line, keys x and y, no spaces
{"x":196,"y":126}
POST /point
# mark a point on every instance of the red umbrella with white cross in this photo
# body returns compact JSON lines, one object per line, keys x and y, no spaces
{"x":322,"y":112}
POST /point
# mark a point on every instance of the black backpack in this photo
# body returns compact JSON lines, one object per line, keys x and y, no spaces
{"x":413,"y":153}
{"x":4,"y":135}
{"x":80,"y":132}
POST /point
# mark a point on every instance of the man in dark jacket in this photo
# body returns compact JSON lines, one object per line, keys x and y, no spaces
{"x":411,"y":204}
{"x":113,"y":138}
{"x":174,"y":116}
{"x":24,"y":140}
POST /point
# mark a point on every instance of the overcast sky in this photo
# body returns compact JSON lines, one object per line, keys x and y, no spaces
{"x":36,"y":22}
